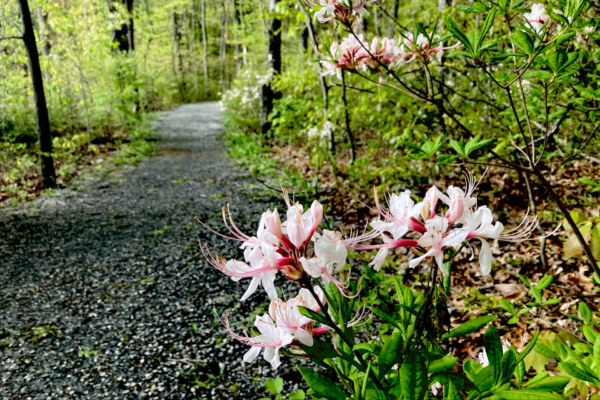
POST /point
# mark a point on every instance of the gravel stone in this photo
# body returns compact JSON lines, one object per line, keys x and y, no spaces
{"x":100,"y":285}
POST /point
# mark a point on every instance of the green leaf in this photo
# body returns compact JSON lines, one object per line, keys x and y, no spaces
{"x":477,"y":7}
{"x":443,"y":364}
{"x":472,"y":368}
{"x":585,"y":181}
{"x":459,"y":147}
{"x":576,"y":372}
{"x":413,"y":377}
{"x":274,"y":386}
{"x":584,"y":312}
{"x":556,"y":59}
{"x":493,"y":348}
{"x":523,"y":42}
{"x":322,"y":386}
{"x":537,"y":295}
{"x":550,"y":384}
{"x":507,"y":306}
{"x":320,"y":350}
{"x":315,"y":316}
{"x":385,"y":317}
{"x":527,"y":394}
{"x":524,"y":280}
{"x":446,"y":159}
{"x":298,"y":395}
{"x":469,"y":327}
{"x":596,"y":354}
{"x":474,"y":144}
{"x":589,"y":333}
{"x":390,"y":353}
{"x":509,"y":363}
{"x":513,"y":320}
{"x":545,"y":282}
{"x":545,"y":351}
{"x":551,"y":302}
{"x":489,"y":21}
{"x":430,"y":148}
{"x":529,"y":346}
{"x":459,"y":34}
{"x":523,"y":311}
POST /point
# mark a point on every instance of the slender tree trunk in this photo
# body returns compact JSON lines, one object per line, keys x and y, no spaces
{"x":243,"y":26}
{"x":268,"y":95}
{"x":43,"y":120}
{"x":395,"y":11}
{"x":205,"y":44}
{"x":177,"y":62}
{"x":347,"y":119}
{"x":44,"y":32}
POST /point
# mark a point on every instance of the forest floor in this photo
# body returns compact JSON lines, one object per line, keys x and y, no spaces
{"x":104,"y":293}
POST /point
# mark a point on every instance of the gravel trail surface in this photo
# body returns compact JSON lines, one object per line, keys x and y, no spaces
{"x":104,"y":293}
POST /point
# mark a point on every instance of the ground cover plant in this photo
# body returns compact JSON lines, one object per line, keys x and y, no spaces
{"x":502,"y":88}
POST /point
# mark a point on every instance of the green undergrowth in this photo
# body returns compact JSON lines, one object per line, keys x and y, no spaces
{"x":76,"y":161}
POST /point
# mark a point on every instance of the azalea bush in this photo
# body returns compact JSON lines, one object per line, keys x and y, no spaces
{"x":407,"y":355}
{"x":506,"y":85}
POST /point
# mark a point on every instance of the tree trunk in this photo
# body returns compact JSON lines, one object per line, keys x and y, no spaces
{"x":205,"y":53}
{"x":177,"y":61}
{"x":124,"y":35}
{"x":268,"y":95}
{"x":43,"y":121}
{"x":44,"y":32}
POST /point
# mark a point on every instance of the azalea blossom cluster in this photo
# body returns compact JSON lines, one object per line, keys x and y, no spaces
{"x":346,"y":12}
{"x":538,"y":17}
{"x":354,"y":53}
{"x":245,"y":96}
{"x":461,"y":222}
{"x":298,"y":249}
{"x":325,"y":132}
{"x":283,"y":326}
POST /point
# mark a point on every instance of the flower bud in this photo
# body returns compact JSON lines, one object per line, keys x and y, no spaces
{"x":457,"y":207}
{"x":274,"y":224}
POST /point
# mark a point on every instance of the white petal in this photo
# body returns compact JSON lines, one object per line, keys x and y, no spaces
{"x":312,"y":267}
{"x":439,"y":258}
{"x":252,"y":288}
{"x":379,"y":259}
{"x":268,"y":282}
{"x":485,"y":258}
{"x":251,"y":354}
{"x":304,"y":337}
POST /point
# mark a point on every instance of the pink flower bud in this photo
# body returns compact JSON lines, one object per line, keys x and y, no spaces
{"x":274,"y":224}
{"x":416,"y":225}
{"x":457,"y":207}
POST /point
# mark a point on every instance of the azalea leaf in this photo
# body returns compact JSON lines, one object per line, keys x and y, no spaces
{"x":469,"y":327}
{"x":459,"y":34}
{"x":523,"y":42}
{"x":322,"y":386}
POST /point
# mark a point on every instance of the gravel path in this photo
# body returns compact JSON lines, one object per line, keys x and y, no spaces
{"x":104,"y":294}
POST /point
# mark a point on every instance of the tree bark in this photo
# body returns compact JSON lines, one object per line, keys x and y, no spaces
{"x":205,"y":52}
{"x":43,"y":120}
{"x":123,"y":36}
{"x":177,"y":61}
{"x":44,"y":32}
{"x":268,"y":95}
